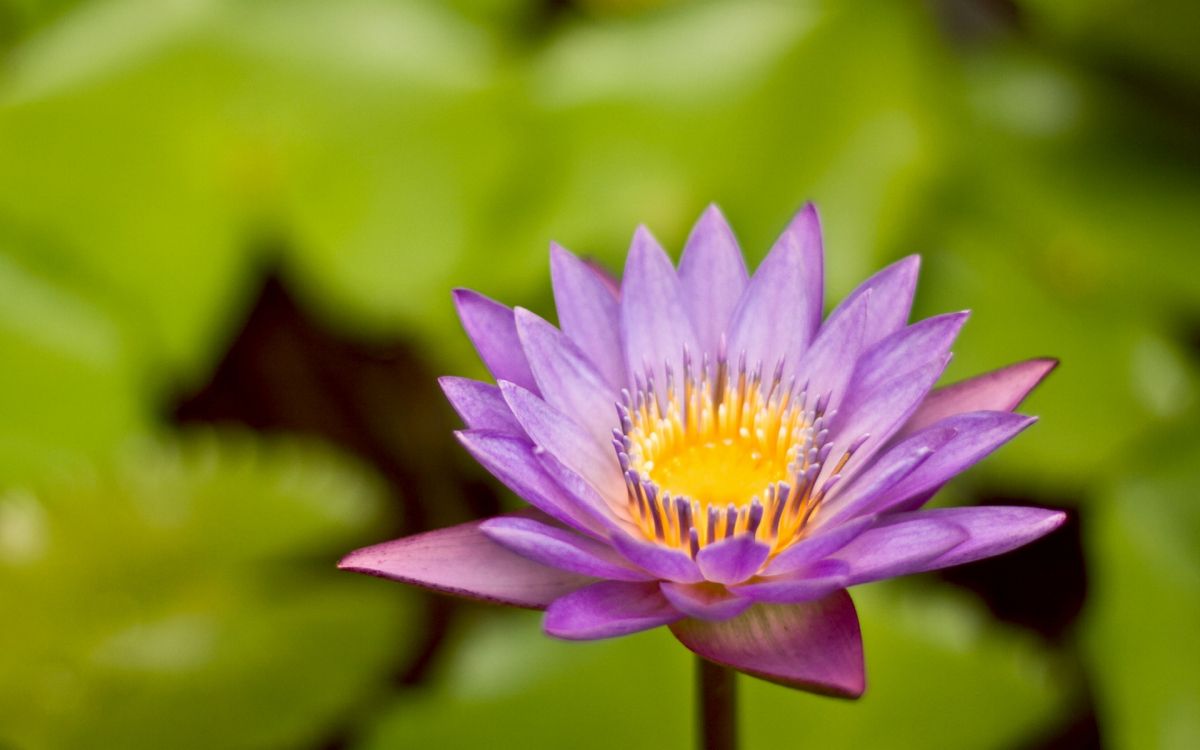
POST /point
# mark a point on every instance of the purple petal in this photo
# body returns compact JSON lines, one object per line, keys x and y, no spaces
{"x":461,"y":560}
{"x":480,"y":405}
{"x":732,"y":560}
{"x":809,"y":583}
{"x":991,"y":530}
{"x":654,"y":320}
{"x":823,"y":542}
{"x":897,"y":547}
{"x":999,"y":390}
{"x":493,"y":331}
{"x":513,"y":462}
{"x":869,"y":492}
{"x":559,"y":548}
{"x":907,"y":349}
{"x":553,"y":431}
{"x":659,"y":561}
{"x":828,"y":365}
{"x":588,"y":313}
{"x":780,"y":309}
{"x":712,"y":274}
{"x":976,"y":435}
{"x":706,"y":601}
{"x":566,"y":378}
{"x":815,"y":646}
{"x":891,"y":298}
{"x":608,"y":609}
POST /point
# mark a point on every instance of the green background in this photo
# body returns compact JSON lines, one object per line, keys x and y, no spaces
{"x":166,"y":565}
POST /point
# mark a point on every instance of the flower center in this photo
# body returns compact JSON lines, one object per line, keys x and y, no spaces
{"x":727,"y":453}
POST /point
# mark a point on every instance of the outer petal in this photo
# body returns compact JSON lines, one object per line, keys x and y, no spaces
{"x":461,"y":560}
{"x":493,"y":331}
{"x":655,"y":327}
{"x":608,"y":609}
{"x":999,"y":390}
{"x":815,"y":646}
{"x":823,"y":542}
{"x":588,"y":313}
{"x":907,"y":349}
{"x":513,"y":462}
{"x":976,"y":435}
{"x":480,"y":405}
{"x":559,"y":548}
{"x":575,"y":447}
{"x":892,"y":296}
{"x":806,"y":584}
{"x":712,"y":273}
{"x":732,"y":560}
{"x":566,"y":378}
{"x":898,"y":547}
{"x":706,"y":601}
{"x":991,"y":530}
{"x":780,"y":310}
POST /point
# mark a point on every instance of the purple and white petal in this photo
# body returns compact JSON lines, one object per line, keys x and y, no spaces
{"x":461,"y":560}
{"x":661,"y":562}
{"x":493,"y":331}
{"x":732,"y":560}
{"x":588,"y":313}
{"x":513,"y":461}
{"x":821,"y":542}
{"x":566,"y":378}
{"x":712,"y":273}
{"x":907,"y":349}
{"x":480,"y":405}
{"x":608,"y":609}
{"x":999,"y":390}
{"x":891,"y":298}
{"x":815,"y":646}
{"x":655,"y":326}
{"x":553,"y":431}
{"x":804,"y":584}
{"x":829,"y":363}
{"x":780,"y":310}
{"x":991,"y":530}
{"x":898,"y":547}
{"x":559,"y":548}
{"x":706,"y":601}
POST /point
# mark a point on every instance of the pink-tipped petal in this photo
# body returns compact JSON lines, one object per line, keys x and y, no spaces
{"x":608,"y":609}
{"x":706,"y":601}
{"x":780,"y":309}
{"x":566,"y":378}
{"x":898,"y":547}
{"x":999,"y":390}
{"x":513,"y":461}
{"x":480,"y":405}
{"x":906,"y":349}
{"x":559,"y":548}
{"x":815,"y":646}
{"x":661,"y":562}
{"x":461,"y":560}
{"x":732,"y":560}
{"x":822,"y":542}
{"x":712,"y":273}
{"x":493,"y":331}
{"x":655,"y":327}
{"x":991,"y":530}
{"x":553,"y":431}
{"x":976,"y":435}
{"x":892,"y":295}
{"x":588,"y":313}
{"x":809,"y":583}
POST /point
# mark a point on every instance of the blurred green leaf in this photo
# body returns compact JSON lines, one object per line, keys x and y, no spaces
{"x":186,"y":597}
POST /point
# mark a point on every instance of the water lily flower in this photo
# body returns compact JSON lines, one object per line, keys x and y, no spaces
{"x":701,"y":451}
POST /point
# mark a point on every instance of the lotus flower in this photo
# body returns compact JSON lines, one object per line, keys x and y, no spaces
{"x":701,"y":451}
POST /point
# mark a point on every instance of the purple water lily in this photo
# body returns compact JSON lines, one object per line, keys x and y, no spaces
{"x":702,"y":451}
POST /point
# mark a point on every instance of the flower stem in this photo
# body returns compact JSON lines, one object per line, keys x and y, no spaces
{"x":717,"y":693}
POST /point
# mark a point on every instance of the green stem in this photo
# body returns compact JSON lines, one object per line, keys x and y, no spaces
{"x":717,"y":693}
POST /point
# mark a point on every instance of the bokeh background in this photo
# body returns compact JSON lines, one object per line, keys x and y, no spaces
{"x":228,"y":231}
